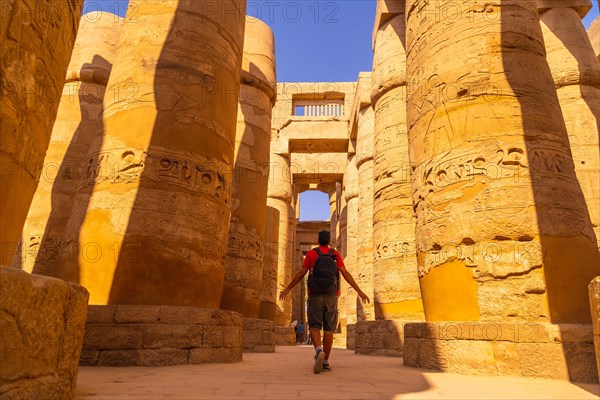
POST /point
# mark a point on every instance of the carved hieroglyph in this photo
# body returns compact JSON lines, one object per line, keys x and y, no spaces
{"x":280,"y":198}
{"x":502,"y":225}
{"x":395,"y":280}
{"x":37,"y":41}
{"x":576,"y":74}
{"x":153,"y":229}
{"x":245,"y":254}
{"x":79,"y":113}
{"x":351,"y":193}
{"x":364,"y":163}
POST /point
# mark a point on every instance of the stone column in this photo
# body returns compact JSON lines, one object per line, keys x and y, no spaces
{"x":576,"y":73}
{"x":395,"y":278}
{"x":37,"y":41}
{"x":503,"y":228}
{"x":364,"y":163}
{"x":351,"y":194}
{"x":154,"y":230}
{"x":280,"y":198}
{"x":79,"y":113}
{"x":333,"y":217}
{"x":268,"y":292}
{"x":245,"y":254}
{"x":343,"y":233}
{"x":594,"y":35}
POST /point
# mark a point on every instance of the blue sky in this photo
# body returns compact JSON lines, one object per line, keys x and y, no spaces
{"x":315,"y":41}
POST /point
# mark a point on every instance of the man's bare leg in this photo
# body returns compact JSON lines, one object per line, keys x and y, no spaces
{"x":315,"y":336}
{"x":327,"y":343}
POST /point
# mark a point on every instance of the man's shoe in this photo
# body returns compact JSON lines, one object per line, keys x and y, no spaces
{"x":326,"y":368}
{"x":319,"y":357}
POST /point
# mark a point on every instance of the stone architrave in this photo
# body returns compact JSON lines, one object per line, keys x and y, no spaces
{"x":395,"y":279}
{"x":79,"y":113}
{"x":576,"y":74}
{"x":364,"y":163}
{"x":157,"y":193}
{"x":594,"y":35}
{"x":352,"y":228}
{"x":280,"y":198}
{"x":37,"y":41}
{"x":245,"y":254}
{"x":503,"y":228}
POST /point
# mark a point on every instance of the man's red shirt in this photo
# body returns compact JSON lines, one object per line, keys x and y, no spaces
{"x":311,"y":258}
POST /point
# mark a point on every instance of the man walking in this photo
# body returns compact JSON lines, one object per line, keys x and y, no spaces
{"x":325,"y":265}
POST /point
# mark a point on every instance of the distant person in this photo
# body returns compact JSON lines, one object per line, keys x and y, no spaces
{"x":325,"y":265}
{"x":301,"y":333}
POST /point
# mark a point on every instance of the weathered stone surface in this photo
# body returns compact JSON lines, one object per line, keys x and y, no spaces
{"x":576,"y":73}
{"x":351,"y":240}
{"x":160,"y":335}
{"x":395,"y":280}
{"x":284,"y":336}
{"x":594,"y":291}
{"x":268,"y":292}
{"x":542,"y":350}
{"x":79,"y":113}
{"x":364,"y":164}
{"x":154,"y":212}
{"x":594,"y":36}
{"x":280,"y":198}
{"x":42,"y":321}
{"x":245,"y":254}
{"x":487,"y":136}
{"x":258,"y":336}
{"x":37,"y":41}
{"x":351,"y":336}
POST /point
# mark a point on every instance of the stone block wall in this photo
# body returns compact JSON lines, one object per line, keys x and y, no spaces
{"x":381,"y":337}
{"x":123,"y":335}
{"x":528,"y":349}
{"x":285,"y":336}
{"x":350,"y":336}
{"x":41,"y":330}
{"x":258,"y":336}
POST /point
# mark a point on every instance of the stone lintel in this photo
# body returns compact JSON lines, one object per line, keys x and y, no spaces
{"x":581,"y":6}
{"x":528,"y":349}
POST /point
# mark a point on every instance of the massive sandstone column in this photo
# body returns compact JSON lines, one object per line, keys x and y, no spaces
{"x":268,"y":292}
{"x":576,"y":74}
{"x":352,"y":228}
{"x":37,"y":41}
{"x":155,"y":228}
{"x":79,"y":113}
{"x":395,"y":279}
{"x":503,"y":227}
{"x":280,"y":198}
{"x":245,"y":254}
{"x":333,"y":216}
{"x":364,"y":163}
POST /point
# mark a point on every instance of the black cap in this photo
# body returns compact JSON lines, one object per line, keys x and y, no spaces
{"x":324,"y":238}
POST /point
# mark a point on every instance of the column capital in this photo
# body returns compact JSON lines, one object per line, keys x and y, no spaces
{"x":581,"y":6}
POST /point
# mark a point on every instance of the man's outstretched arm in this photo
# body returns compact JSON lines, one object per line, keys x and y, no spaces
{"x":348,"y":277}
{"x":293,"y":283}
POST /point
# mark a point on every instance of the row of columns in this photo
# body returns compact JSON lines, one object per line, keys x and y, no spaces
{"x":484,"y":178}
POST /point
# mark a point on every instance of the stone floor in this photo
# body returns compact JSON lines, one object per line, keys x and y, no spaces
{"x":287,"y":374}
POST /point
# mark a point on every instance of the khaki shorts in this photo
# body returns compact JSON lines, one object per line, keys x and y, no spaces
{"x":323,"y":312}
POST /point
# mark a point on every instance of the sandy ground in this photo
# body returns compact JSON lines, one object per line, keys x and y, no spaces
{"x":287,"y":374}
